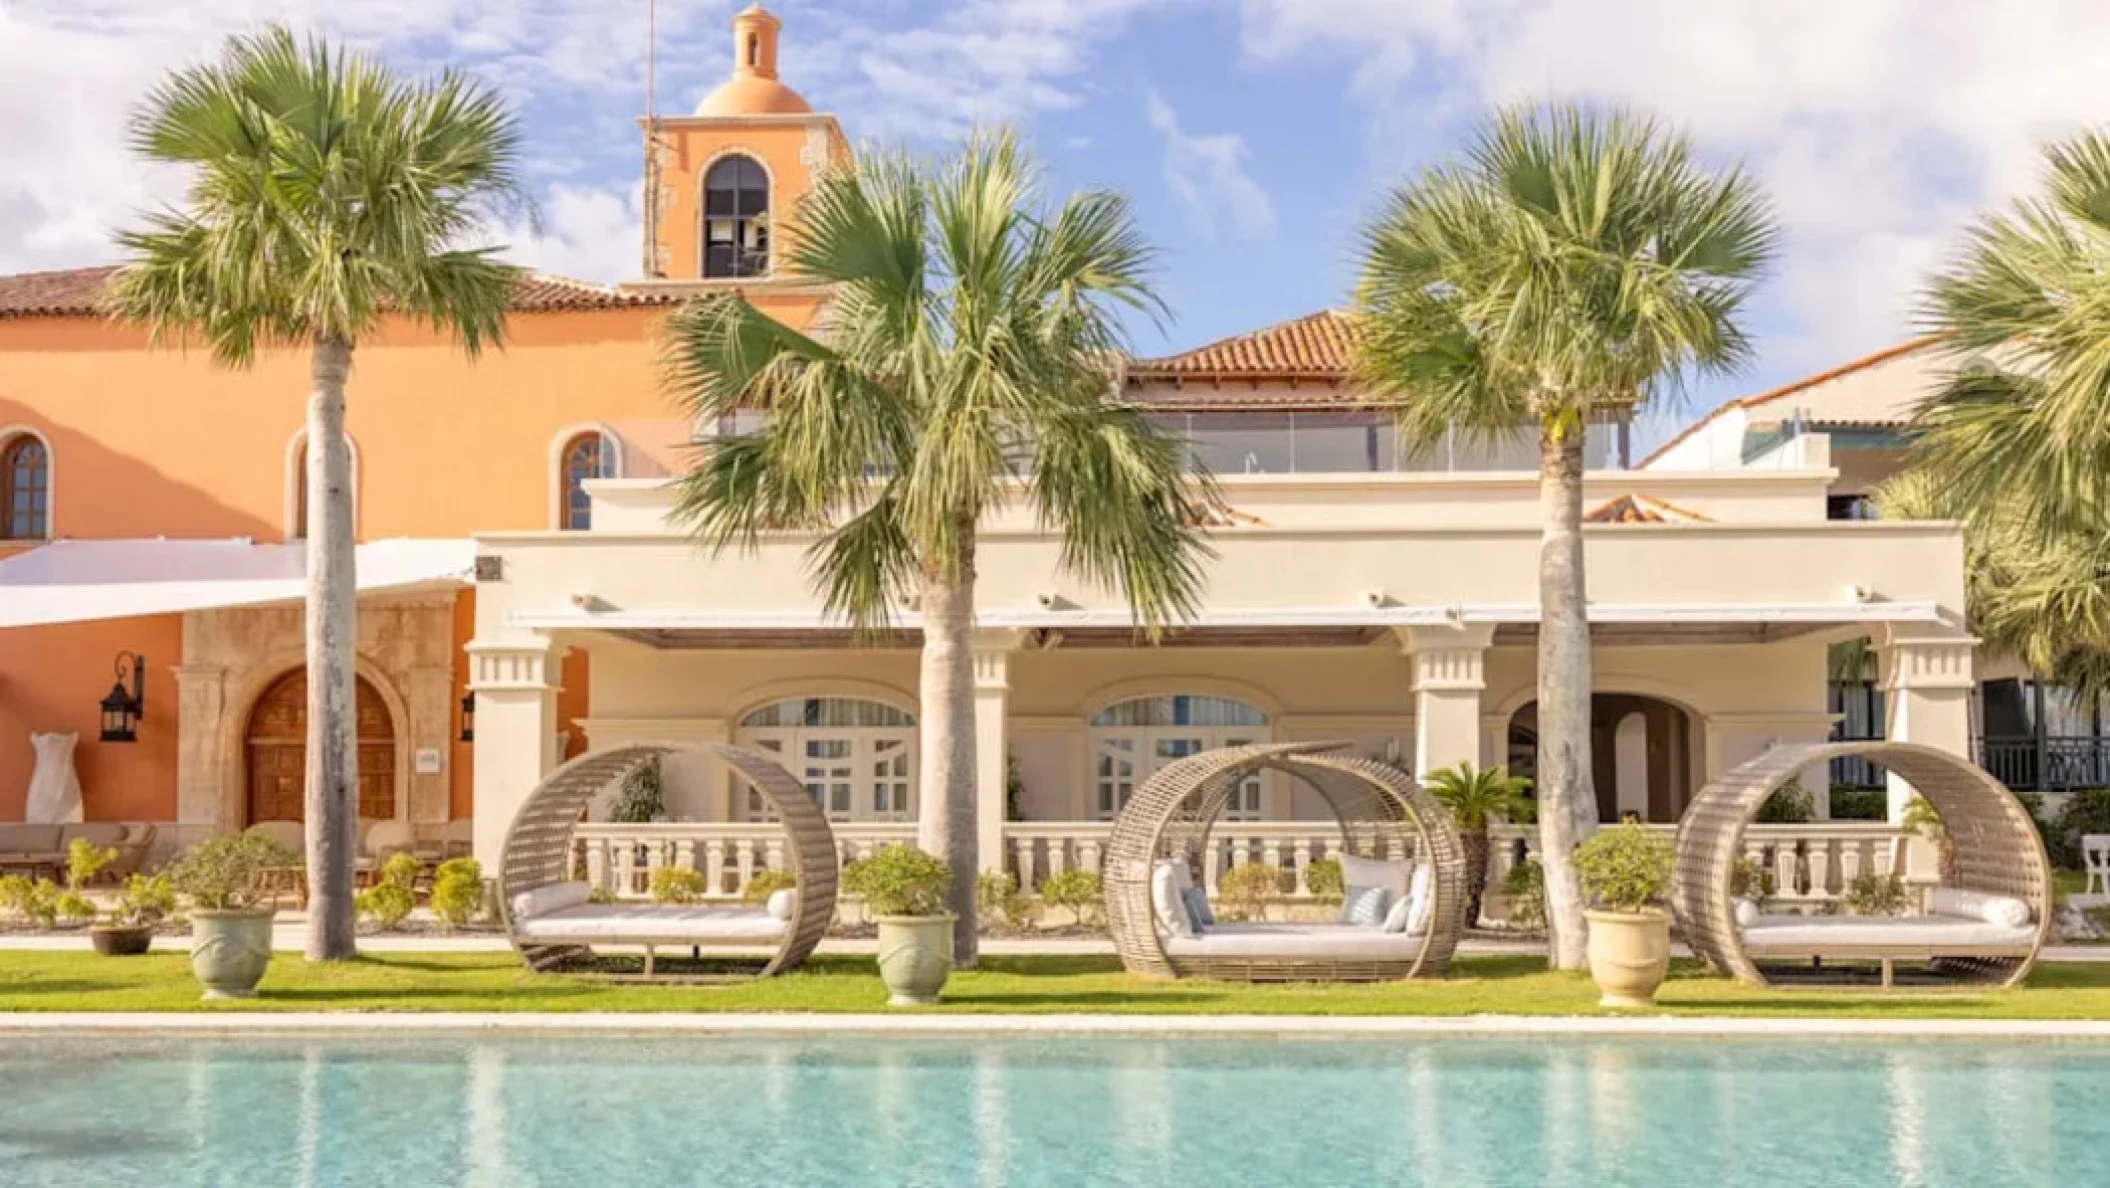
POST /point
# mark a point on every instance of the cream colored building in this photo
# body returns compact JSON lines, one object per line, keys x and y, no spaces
{"x":1388,"y":602}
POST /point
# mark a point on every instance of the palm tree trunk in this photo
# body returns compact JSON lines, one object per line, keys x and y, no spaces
{"x":1474,"y":842}
{"x":945,"y":819}
{"x":333,"y":760}
{"x":1567,"y":802}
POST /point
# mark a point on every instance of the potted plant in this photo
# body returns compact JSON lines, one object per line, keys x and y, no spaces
{"x":230,"y":944}
{"x":1625,"y":871}
{"x":1475,"y":797}
{"x":142,"y":904}
{"x":904,"y":893}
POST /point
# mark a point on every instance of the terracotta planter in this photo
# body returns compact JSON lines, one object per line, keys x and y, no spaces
{"x":121,"y":940}
{"x":229,"y":951}
{"x":915,"y":957}
{"x":1629,"y":955}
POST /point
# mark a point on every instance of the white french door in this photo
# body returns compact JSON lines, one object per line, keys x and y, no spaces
{"x":854,"y":774}
{"x":1124,"y":758}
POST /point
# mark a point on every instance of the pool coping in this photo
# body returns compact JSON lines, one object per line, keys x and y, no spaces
{"x":797,"y":1024}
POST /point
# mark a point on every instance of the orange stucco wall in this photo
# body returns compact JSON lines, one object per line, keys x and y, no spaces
{"x":163,"y":442}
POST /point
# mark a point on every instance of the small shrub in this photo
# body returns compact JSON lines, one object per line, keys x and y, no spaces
{"x":1789,"y":805}
{"x":458,"y":891}
{"x":1075,"y":888}
{"x":2098,"y":918}
{"x":225,"y":873}
{"x":1248,"y":890}
{"x":600,"y":895}
{"x":1625,"y":868}
{"x":1750,"y":879}
{"x":1323,"y":879}
{"x":677,"y":884}
{"x":144,"y":900}
{"x":74,"y":907}
{"x":642,"y":798}
{"x":899,"y":880}
{"x":385,"y":903}
{"x":1872,"y":894}
{"x":84,"y":862}
{"x":1859,"y":804}
{"x":996,"y":897}
{"x":767,"y":882}
{"x":401,"y":870}
{"x":1525,"y":887}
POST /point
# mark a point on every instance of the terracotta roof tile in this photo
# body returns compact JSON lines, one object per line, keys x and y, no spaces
{"x":1802,"y":385}
{"x":1315,"y":347}
{"x":76,"y":292}
{"x":1642,"y":509}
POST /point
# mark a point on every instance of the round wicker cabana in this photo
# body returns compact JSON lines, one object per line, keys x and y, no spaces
{"x":1997,"y":848}
{"x":538,"y":848}
{"x":1382,"y":811}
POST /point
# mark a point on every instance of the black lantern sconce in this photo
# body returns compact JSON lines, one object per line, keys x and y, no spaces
{"x":469,"y":716}
{"x":121,"y":709}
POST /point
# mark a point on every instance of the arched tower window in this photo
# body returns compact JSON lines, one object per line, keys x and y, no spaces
{"x":25,"y":488}
{"x":736,"y":218}
{"x":585,"y":454}
{"x":297,"y":484}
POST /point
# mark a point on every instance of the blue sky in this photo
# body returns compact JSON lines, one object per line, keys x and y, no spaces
{"x":1252,"y":135}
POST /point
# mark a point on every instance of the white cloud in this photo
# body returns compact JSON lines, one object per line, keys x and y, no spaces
{"x":1208,"y":173}
{"x":1879,"y":125}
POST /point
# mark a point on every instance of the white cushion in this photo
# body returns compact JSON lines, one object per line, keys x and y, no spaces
{"x":1365,"y":906}
{"x":781,"y":902}
{"x":2004,"y":910}
{"x":1374,"y":872}
{"x":1286,"y":940}
{"x":550,"y":897}
{"x":1166,"y":900}
{"x":666,"y":923}
{"x":1897,"y":934}
{"x":1397,"y":915}
{"x":1421,"y":897}
{"x":1746,"y":913}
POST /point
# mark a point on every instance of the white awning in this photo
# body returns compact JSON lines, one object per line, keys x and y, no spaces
{"x":76,"y":581}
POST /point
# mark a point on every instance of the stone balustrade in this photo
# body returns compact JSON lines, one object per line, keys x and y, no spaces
{"x":1810,"y":863}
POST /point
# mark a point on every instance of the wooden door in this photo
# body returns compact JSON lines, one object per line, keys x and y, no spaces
{"x":278,"y":752}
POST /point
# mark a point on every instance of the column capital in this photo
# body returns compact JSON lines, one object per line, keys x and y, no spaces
{"x":1934,"y":662}
{"x":1447,"y":656}
{"x":517,"y":667}
{"x":992,"y":648}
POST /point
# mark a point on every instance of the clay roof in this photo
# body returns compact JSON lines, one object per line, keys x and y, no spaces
{"x":1642,"y":509}
{"x":77,"y":293}
{"x":1802,"y":385}
{"x":1313,"y":347}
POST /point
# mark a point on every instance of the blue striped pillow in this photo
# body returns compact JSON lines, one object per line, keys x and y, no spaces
{"x":1198,"y":908}
{"x":1365,"y":905}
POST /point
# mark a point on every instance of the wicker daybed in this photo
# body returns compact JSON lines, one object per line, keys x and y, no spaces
{"x":1383,"y":814}
{"x":1984,"y":928}
{"x":554,"y":927}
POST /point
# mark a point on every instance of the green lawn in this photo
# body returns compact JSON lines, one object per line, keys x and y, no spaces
{"x":55,"y":981}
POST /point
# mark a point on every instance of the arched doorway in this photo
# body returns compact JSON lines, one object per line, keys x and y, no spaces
{"x":277,"y":743}
{"x":1641,"y":755}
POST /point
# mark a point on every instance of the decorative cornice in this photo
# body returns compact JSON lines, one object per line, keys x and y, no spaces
{"x":511,"y":667}
{"x":1929,"y":664}
{"x":1448,"y":658}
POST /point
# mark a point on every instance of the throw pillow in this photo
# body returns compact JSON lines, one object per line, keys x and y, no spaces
{"x":1421,"y":895}
{"x":1746,"y":913}
{"x":1198,"y":907}
{"x":1396,"y":918}
{"x":1166,"y":902}
{"x":1374,"y":872}
{"x":781,"y":902}
{"x":1365,"y":905}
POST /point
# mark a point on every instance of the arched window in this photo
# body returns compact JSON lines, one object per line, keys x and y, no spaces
{"x":736,"y":218}
{"x":1132,"y":739}
{"x":585,"y":454}
{"x":25,"y":488}
{"x":297,"y":485}
{"x":857,"y":757}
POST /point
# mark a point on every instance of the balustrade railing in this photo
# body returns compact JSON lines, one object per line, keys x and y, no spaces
{"x":1810,"y":863}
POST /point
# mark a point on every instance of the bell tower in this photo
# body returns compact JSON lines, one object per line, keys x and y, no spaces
{"x":725,"y":181}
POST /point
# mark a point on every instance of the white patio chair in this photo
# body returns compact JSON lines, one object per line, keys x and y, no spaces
{"x":2095,"y":857}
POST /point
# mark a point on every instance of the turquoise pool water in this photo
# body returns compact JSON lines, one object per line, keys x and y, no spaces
{"x":631,"y":1113}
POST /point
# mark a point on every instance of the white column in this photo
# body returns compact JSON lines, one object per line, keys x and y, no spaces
{"x":1448,"y":679}
{"x":1927,"y":683}
{"x":992,"y":741}
{"x":516,"y":730}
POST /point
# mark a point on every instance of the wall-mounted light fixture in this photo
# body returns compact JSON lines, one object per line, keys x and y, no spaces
{"x":469,"y":716}
{"x":122,"y":709}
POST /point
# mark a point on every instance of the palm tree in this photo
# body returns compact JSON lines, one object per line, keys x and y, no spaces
{"x":961,"y":360}
{"x":2021,"y":425}
{"x":325,"y":195}
{"x":1475,"y":795}
{"x":1573,"y":263}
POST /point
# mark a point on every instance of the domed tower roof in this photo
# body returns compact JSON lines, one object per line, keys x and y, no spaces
{"x":754,"y":89}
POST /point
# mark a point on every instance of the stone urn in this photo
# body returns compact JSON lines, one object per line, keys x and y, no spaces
{"x":121,"y":940}
{"x":1629,"y":955}
{"x":915,"y":957}
{"x":229,"y":950}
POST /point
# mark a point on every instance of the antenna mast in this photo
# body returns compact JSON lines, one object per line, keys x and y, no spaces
{"x":652,"y":163}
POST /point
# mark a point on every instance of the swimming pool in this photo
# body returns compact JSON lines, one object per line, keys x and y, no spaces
{"x":636,"y":1113}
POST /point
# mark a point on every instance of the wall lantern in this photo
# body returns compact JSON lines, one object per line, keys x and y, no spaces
{"x":469,"y":716}
{"x":122,"y":710}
